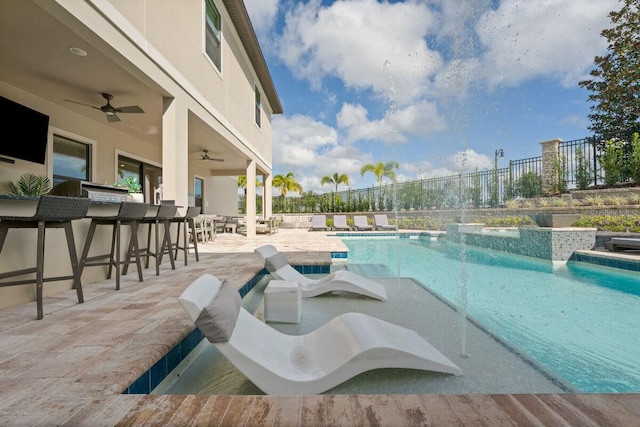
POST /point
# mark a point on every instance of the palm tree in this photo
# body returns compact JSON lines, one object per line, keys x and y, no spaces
{"x":381,"y":170}
{"x":286,"y":183}
{"x":242,"y":183}
{"x":336,"y":179}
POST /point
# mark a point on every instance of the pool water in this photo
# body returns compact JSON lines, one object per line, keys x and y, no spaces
{"x":579,"y":321}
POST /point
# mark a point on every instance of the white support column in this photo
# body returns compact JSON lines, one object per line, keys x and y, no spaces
{"x":251,"y":198}
{"x":267,"y":195}
{"x":175,"y":152}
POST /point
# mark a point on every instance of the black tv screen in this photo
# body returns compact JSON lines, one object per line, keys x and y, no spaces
{"x":28,"y":128}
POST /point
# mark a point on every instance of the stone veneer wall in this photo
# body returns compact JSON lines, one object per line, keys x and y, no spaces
{"x":553,"y":244}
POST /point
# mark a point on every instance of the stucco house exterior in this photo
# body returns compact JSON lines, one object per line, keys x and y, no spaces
{"x":190,"y":74}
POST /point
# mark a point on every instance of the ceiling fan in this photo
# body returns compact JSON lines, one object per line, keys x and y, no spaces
{"x":205,"y":156}
{"x":110,"y":110}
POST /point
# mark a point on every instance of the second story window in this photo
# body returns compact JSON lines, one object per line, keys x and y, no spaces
{"x":213,"y":31}
{"x":257,"y":107}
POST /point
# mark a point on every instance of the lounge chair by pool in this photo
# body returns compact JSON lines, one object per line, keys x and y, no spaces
{"x":382,"y":223}
{"x":277,"y":363}
{"x":319,"y":222}
{"x":360,"y":223}
{"x":340,"y":223}
{"x":278,"y":265}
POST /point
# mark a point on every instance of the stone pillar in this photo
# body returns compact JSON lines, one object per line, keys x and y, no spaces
{"x":549,"y":156}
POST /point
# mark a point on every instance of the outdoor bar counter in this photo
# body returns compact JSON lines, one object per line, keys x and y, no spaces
{"x":19,"y":249}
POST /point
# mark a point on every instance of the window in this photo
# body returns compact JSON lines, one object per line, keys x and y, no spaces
{"x":213,"y":29}
{"x":71,"y":160}
{"x":257,"y":107}
{"x":149,"y":177}
{"x":198,"y":187}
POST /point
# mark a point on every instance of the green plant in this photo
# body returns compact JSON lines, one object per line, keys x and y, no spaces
{"x":594,"y":201}
{"x":29,"y":184}
{"x":634,"y":158}
{"x":583,"y":170}
{"x":560,"y":173}
{"x":131,"y":184}
{"x":610,"y":160}
{"x":529,"y":185}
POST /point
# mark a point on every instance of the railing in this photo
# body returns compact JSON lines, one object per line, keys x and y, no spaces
{"x":577,"y":163}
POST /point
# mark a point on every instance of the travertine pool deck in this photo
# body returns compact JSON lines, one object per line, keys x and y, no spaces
{"x":71,"y":367}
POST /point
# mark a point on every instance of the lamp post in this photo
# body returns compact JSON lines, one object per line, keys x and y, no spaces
{"x":499,"y":153}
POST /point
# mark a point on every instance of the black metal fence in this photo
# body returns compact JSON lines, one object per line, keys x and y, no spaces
{"x":576,"y":166}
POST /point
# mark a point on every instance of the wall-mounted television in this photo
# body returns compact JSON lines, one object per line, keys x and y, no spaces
{"x":28,"y":128}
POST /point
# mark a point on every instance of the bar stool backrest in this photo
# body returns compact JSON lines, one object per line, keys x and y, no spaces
{"x":193,"y":211}
{"x":132,"y":210}
{"x":60,"y":208}
{"x":166,"y":211}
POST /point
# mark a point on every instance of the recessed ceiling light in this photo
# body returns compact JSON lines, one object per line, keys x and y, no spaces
{"x":77,"y":51}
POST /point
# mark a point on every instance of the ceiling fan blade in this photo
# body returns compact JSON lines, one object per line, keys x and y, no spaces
{"x":214,"y":160}
{"x":111,"y":118}
{"x":129,"y":109}
{"x":80,"y":103}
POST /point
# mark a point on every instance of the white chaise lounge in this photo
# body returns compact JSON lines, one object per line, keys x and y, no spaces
{"x":382,"y":222}
{"x":340,"y":223}
{"x":313,"y":363}
{"x":360,"y":223}
{"x":319,"y":222}
{"x":278,"y":265}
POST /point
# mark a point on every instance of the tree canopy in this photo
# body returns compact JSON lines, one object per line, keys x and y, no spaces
{"x":336,"y":179}
{"x":286,"y":183}
{"x":615,"y":82}
{"x":381,"y":170}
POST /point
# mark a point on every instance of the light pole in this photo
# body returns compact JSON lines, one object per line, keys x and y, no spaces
{"x":499,"y":153}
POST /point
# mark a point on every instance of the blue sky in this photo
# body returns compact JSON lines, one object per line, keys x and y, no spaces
{"x":436,"y":85}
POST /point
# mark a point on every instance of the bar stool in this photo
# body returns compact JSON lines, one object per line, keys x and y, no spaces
{"x":163,"y":217}
{"x":129,"y":214}
{"x":51,"y":212}
{"x":187,"y":223}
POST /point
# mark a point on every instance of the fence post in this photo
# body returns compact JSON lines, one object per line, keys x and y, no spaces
{"x":549,"y":157}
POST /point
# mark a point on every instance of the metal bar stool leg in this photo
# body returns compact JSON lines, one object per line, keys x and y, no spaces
{"x":40,"y":268}
{"x":75,"y":266}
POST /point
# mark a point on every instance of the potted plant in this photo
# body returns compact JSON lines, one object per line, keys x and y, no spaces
{"x":29,"y":185}
{"x":133,"y":187}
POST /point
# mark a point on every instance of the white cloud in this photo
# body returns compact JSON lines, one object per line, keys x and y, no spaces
{"x":353,"y":40}
{"x":262,"y":14}
{"x":524,"y":40}
{"x":420,"y":119}
{"x":298,"y":139}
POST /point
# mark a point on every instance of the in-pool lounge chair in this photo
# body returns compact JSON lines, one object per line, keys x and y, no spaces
{"x":319,"y":222}
{"x":340,"y":223}
{"x":277,"y":363}
{"x":278,"y":265}
{"x":360,"y":223}
{"x":382,"y":223}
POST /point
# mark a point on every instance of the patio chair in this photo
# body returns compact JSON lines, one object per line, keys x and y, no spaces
{"x":360,"y":223}
{"x":277,"y":363}
{"x":319,"y":222}
{"x":382,"y":222}
{"x":278,"y":265}
{"x":340,"y":223}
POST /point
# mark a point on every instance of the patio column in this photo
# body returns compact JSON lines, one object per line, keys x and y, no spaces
{"x":267,"y":198}
{"x":175,"y":152}
{"x":251,"y":198}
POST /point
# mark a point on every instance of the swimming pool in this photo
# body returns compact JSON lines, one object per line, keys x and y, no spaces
{"x":577,"y":320}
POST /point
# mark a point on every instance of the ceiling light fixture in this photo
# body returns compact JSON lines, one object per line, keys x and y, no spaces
{"x":77,"y":51}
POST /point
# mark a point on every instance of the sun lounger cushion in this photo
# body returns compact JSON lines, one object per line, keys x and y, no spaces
{"x":218,"y":319}
{"x":274,"y":262}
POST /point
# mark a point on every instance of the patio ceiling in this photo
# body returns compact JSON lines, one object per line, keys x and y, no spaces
{"x":35,"y":57}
